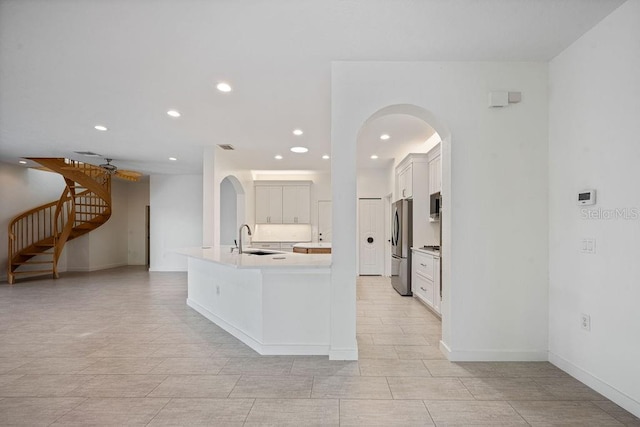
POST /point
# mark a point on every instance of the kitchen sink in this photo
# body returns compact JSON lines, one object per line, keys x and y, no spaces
{"x":254,"y":252}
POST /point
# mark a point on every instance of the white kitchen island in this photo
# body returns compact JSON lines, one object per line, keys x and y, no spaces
{"x":276,"y":304}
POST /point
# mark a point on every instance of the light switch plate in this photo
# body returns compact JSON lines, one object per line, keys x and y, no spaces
{"x":588,"y":246}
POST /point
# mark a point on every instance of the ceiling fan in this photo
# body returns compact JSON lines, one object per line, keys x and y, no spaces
{"x":113,"y":170}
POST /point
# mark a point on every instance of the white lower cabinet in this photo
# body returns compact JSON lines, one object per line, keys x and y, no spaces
{"x":276,"y":246}
{"x":425,"y":279}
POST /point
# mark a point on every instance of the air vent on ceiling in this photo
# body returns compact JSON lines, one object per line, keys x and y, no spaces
{"x":88,"y":153}
{"x":226,"y":146}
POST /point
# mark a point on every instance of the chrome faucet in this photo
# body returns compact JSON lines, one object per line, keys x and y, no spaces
{"x":240,"y":236}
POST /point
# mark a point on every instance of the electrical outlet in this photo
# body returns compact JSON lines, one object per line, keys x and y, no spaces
{"x":585,"y":322}
{"x":588,"y":246}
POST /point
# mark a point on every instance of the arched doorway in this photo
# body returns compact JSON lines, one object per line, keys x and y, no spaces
{"x":443,"y":137}
{"x":232,"y":209}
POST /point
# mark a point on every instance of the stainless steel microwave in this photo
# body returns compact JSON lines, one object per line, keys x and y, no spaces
{"x":434,"y":204}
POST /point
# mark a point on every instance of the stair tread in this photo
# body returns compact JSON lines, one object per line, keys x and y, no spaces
{"x":32,"y":262}
{"x":32,"y":271}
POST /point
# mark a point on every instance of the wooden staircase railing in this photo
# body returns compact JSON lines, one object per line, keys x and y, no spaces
{"x":37,"y":236}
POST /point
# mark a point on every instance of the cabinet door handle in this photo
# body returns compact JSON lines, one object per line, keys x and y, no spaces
{"x":424,"y":265}
{"x":423,"y":289}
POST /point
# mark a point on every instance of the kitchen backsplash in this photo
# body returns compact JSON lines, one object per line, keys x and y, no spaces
{"x":282,"y":233}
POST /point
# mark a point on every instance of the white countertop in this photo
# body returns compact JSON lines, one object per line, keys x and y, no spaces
{"x":428,"y":251}
{"x":279,"y":260}
{"x":312,"y":245}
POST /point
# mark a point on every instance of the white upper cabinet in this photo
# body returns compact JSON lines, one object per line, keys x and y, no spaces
{"x":435,"y":170}
{"x":296,"y":204}
{"x":405,"y":182}
{"x":286,"y":202}
{"x":268,"y":204}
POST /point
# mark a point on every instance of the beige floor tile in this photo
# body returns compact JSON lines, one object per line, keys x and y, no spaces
{"x":43,"y":385}
{"x":388,"y":413}
{"x":118,"y":386}
{"x":396,"y":339}
{"x":444,"y":368}
{"x":274,"y":387}
{"x":190,"y":366}
{"x":294,"y":412}
{"x":350,"y":388}
{"x":585,"y":414}
{"x":30,"y":411}
{"x":466,"y":413}
{"x":393,"y":368}
{"x":203,"y":412}
{"x":126,"y":350}
{"x":428,"y":388}
{"x":123,"y":365}
{"x":196,"y":386}
{"x":9,"y":378}
{"x":54,"y":365}
{"x":370,"y":351}
{"x":378,"y":329}
{"x":417,"y":321}
{"x":424,"y":352}
{"x":235,"y":350}
{"x":186,"y":350}
{"x":322,"y":366}
{"x":113,"y":411}
{"x":530,"y":369}
{"x":568,"y":388}
{"x":506,"y":389}
{"x":8,"y":364}
{"x":265,"y":365}
{"x":625,"y":417}
{"x":368,"y":321}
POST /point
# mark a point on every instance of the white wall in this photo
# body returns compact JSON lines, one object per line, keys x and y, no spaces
{"x":176,"y":219}
{"x":593,"y":143}
{"x":137,"y":201}
{"x":21,"y":189}
{"x":495,"y":305}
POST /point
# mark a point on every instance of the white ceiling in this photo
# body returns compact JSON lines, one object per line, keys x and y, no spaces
{"x":66,"y":66}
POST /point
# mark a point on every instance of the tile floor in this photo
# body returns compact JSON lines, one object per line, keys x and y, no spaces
{"x":120,"y":347}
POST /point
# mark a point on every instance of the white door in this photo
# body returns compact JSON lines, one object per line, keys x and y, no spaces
{"x":324,"y":221}
{"x":371,"y":237}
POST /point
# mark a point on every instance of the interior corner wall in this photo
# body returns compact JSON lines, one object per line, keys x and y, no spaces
{"x":496,"y":301}
{"x":137,"y":202}
{"x":593,"y":144}
{"x":21,"y":189}
{"x":176,"y":219}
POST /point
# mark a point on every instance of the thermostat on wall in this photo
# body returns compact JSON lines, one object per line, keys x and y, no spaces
{"x":587,"y":197}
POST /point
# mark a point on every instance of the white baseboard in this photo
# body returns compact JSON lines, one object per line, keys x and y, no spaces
{"x":98,"y":268}
{"x":611,"y":393}
{"x":263,"y":349}
{"x":343,"y":354}
{"x":492,"y":355}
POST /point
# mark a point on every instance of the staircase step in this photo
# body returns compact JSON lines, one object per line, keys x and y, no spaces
{"x":36,"y":253}
{"x":32,"y":262}
{"x":32,"y":272}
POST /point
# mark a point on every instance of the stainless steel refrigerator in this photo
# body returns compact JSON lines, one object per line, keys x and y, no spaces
{"x":401,"y":242}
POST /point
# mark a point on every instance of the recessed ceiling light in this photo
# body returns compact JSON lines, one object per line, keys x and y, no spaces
{"x":299,"y":149}
{"x":384,"y":136}
{"x":173,"y":159}
{"x":326,"y":157}
{"x":100,"y":127}
{"x":22,"y":162}
{"x":278,"y":157}
{"x":173,"y":113}
{"x":374,"y":156}
{"x":223,"y":87}
{"x":297,"y":132}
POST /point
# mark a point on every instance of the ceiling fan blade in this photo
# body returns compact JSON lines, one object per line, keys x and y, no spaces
{"x":128,"y":175}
